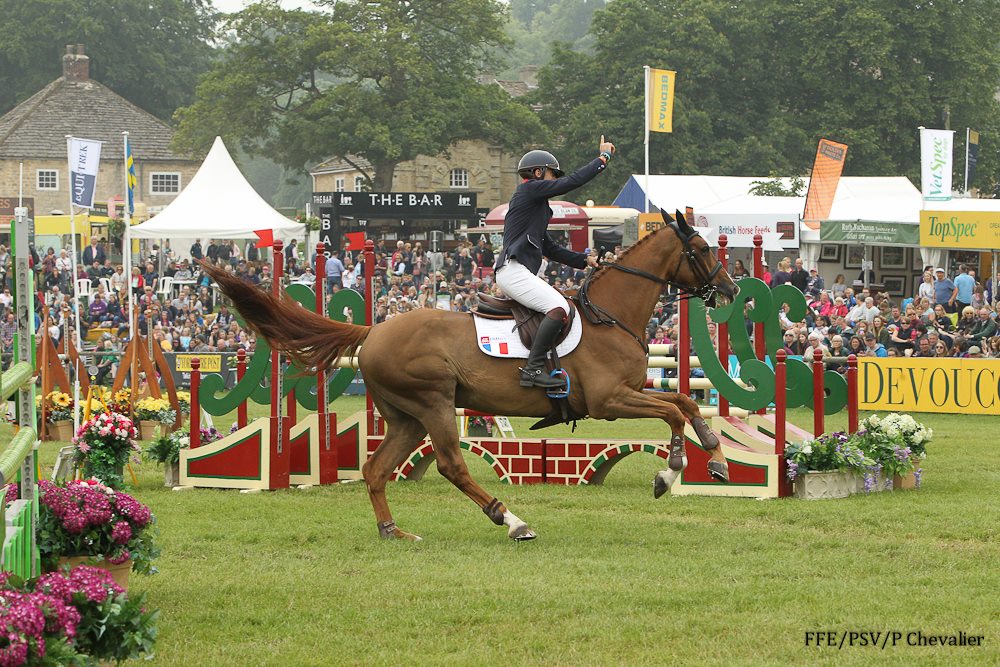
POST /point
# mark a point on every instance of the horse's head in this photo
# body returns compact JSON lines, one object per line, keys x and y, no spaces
{"x":696,"y":268}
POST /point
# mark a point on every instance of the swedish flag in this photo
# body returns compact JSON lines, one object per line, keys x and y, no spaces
{"x":130,"y":176}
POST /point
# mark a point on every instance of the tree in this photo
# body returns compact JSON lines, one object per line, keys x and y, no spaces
{"x":535,"y":26}
{"x":760,"y":83}
{"x":149,"y":52}
{"x":385,"y":81}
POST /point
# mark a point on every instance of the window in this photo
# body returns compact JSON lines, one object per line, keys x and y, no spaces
{"x":164,"y":183}
{"x":359,"y":183}
{"x":458,"y":178}
{"x":338,"y":185}
{"x":48,"y":179}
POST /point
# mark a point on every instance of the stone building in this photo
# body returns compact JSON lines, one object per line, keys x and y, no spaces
{"x":34,"y":133}
{"x":469,"y":166}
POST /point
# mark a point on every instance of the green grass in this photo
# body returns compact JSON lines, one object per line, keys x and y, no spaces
{"x":299,"y":577}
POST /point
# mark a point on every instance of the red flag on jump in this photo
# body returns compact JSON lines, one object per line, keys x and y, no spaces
{"x":355,"y":241}
{"x":265,"y":238}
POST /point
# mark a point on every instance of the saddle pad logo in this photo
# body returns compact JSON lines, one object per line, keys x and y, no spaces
{"x":501,"y":348}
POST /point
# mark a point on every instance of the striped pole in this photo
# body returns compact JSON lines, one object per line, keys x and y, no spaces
{"x":780,"y":415}
{"x":760,"y":348}
{"x":195,"y":404}
{"x":852,"y":394}
{"x":241,"y":370}
{"x":723,"y":327}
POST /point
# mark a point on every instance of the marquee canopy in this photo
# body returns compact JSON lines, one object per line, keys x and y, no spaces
{"x":218,"y":203}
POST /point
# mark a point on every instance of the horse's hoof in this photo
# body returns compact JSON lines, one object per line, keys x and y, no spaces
{"x":718,"y":471}
{"x":662,"y":482}
{"x":522,"y":534}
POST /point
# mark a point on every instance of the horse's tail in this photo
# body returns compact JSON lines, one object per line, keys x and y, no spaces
{"x":312,"y":340}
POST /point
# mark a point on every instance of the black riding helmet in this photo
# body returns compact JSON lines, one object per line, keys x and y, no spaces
{"x":535,"y":159}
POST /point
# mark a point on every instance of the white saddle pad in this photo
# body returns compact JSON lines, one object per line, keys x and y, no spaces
{"x":497,"y":338}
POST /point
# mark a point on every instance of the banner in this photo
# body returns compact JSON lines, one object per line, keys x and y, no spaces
{"x":826,"y":171}
{"x":780,"y":232}
{"x":661,"y":100}
{"x":971,"y":157}
{"x":974,"y":230}
{"x":130,"y":177}
{"x":84,"y":160}
{"x":935,"y":163}
{"x":880,"y":233}
{"x":944,"y":385}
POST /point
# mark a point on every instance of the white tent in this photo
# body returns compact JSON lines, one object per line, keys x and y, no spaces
{"x":218,"y":203}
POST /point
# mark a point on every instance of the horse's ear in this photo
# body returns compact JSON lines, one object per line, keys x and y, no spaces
{"x":666,"y":217}
{"x":682,"y":222}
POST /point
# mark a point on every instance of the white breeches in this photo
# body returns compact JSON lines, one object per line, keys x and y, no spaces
{"x":526,"y":288}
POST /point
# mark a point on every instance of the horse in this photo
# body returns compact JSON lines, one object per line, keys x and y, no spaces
{"x":421,"y":365}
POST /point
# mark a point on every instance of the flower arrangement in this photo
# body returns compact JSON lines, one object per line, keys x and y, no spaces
{"x":167,"y":448}
{"x":103,"y":445}
{"x":72,"y":618}
{"x":896,"y":443}
{"x":835,"y":451}
{"x":58,"y":406}
{"x":155,"y":409}
{"x":184,"y":402}
{"x":87,"y":518}
{"x":210,"y":434}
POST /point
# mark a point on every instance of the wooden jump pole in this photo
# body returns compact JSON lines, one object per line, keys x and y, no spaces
{"x":195,"y":426}
{"x":280,"y":452}
{"x":241,"y":370}
{"x":329,"y":472}
{"x":374,"y":428}
{"x":759,"y":344}
{"x":818,"y":393}
{"x":780,"y":415}
{"x":852,"y":393}
{"x":723,"y":328}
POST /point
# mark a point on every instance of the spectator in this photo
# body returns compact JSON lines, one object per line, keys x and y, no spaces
{"x":926,"y":289}
{"x":945,"y":291}
{"x":873,"y":348}
{"x":799,"y":277}
{"x":965,"y":286}
{"x":974,"y":352}
{"x":784,"y":273}
{"x":93,"y":253}
{"x":739,"y":270}
{"x":985,"y":328}
{"x":838,"y":286}
{"x":334,"y":271}
{"x":967,"y":322}
{"x":924,"y":348}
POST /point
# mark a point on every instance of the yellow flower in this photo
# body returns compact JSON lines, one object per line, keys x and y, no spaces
{"x":61,"y":399}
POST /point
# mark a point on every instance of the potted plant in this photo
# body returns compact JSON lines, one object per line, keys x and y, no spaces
{"x":103,"y":445}
{"x":58,"y":415}
{"x":152,"y":413}
{"x":88,"y":522}
{"x":167,"y":450}
{"x":827,"y":467}
{"x":897,"y":443}
{"x":480,"y":426}
{"x":75,"y":617}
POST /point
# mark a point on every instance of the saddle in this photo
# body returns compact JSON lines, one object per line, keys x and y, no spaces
{"x":526,"y":320}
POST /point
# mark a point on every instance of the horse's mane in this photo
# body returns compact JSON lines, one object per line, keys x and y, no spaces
{"x":604,"y":268}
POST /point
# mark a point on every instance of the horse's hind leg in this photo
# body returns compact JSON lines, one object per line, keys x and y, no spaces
{"x":718,"y":467}
{"x":444,"y":434}
{"x":403,"y":435}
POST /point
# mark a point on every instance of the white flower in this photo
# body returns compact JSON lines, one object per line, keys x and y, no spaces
{"x":807,"y":449}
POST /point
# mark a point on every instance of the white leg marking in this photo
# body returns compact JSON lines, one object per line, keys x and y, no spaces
{"x":512,"y":522}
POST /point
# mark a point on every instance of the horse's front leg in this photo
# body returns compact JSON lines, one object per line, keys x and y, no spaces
{"x":718,"y":467}
{"x":627,"y":403}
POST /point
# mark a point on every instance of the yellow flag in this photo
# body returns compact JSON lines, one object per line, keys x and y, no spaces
{"x":661,"y":100}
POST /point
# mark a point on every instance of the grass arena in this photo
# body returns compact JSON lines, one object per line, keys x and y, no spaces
{"x":295,"y":576}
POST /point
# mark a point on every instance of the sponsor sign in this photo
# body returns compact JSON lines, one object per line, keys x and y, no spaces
{"x":935,"y":163}
{"x":661,"y":100}
{"x":779,"y":231}
{"x":8,"y":204}
{"x":84,"y":160}
{"x":953,"y":386}
{"x":881,"y":233}
{"x":974,"y":230}
{"x":210,"y":363}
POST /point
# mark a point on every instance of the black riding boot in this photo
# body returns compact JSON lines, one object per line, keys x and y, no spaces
{"x":533,"y":374}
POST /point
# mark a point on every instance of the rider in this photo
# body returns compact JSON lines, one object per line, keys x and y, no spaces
{"x":525,"y":240}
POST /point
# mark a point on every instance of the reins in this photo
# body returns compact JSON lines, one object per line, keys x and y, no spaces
{"x":596,"y":314}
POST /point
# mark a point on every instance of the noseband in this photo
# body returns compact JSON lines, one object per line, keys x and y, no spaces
{"x":597,"y":315}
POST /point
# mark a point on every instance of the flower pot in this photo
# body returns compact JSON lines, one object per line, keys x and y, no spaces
{"x":814,"y":485}
{"x":171,"y":474}
{"x":118,"y":572}
{"x":148,"y":429}
{"x":907,"y":481}
{"x":61,"y":431}
{"x":878,"y":484}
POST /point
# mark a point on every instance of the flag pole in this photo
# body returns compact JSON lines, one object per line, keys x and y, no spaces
{"x":645,"y":97}
{"x":127,"y":243}
{"x":966,"y":190}
{"x":76,"y":291}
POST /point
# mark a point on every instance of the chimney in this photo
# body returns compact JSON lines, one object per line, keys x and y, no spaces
{"x":529,"y":75}
{"x":76,"y":65}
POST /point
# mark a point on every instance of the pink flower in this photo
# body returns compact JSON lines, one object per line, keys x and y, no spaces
{"x":83,"y":447}
{"x":121,"y":533}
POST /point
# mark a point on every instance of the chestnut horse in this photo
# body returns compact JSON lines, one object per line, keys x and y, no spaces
{"x":419,"y":366}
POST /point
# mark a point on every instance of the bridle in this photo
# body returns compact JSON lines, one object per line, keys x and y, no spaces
{"x":597,"y":315}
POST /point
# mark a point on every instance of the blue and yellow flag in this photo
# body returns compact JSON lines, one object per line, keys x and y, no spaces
{"x":661,"y":100}
{"x":130,"y":176}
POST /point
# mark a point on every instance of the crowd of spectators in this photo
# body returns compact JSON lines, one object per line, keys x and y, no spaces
{"x":947,"y":317}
